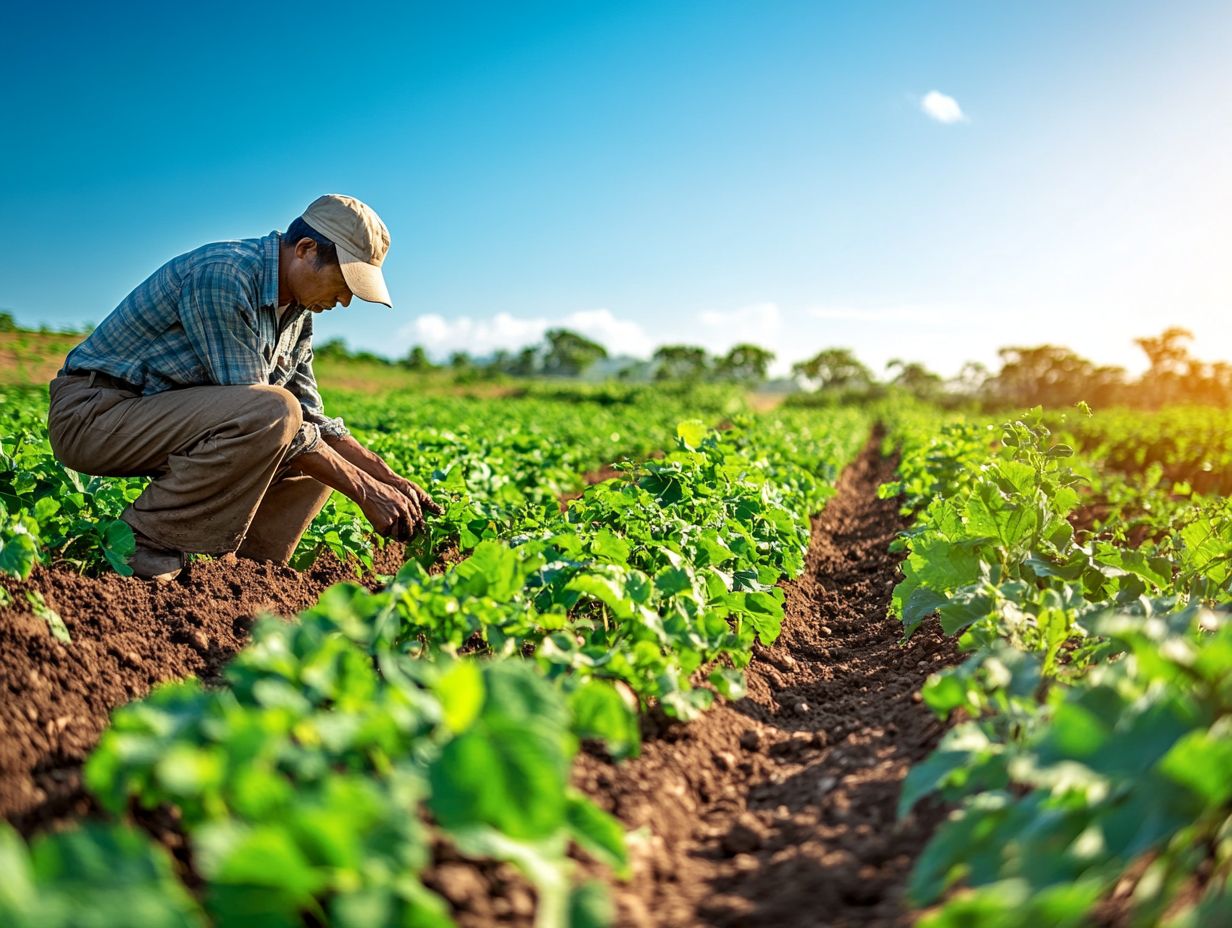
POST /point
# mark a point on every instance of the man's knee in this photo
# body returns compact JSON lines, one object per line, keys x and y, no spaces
{"x":278,"y":409}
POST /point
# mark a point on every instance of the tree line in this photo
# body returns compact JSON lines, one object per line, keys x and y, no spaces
{"x":1047,"y":375}
{"x":564,"y":353}
{"x":1039,"y":375}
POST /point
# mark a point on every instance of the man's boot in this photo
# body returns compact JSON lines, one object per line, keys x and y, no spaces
{"x":150,"y":562}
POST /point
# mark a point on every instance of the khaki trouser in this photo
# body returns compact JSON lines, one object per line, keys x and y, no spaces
{"x":214,"y":455}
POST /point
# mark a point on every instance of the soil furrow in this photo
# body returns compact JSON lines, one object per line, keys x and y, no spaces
{"x":779,"y":809}
{"x":127,"y":636}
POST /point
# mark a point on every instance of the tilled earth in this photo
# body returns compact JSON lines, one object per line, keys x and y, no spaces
{"x":780,"y":809}
{"x":777,"y":810}
{"x":127,"y":636}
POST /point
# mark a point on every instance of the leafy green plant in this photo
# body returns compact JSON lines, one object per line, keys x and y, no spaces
{"x":447,"y":707}
{"x":95,"y":876}
{"x":1094,"y":740}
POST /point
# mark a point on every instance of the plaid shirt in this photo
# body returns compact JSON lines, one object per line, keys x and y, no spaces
{"x":210,"y":317}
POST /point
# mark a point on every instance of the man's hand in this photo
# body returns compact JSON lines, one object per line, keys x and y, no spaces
{"x":391,"y":512}
{"x":417,"y":495}
{"x":374,"y":466}
{"x":394,"y":505}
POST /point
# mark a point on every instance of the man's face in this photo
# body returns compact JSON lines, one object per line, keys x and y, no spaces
{"x":318,"y":289}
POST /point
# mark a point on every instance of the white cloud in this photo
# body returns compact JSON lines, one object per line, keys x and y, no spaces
{"x":758,"y":323}
{"x":441,"y":336}
{"x":618,"y":336}
{"x":943,"y":108}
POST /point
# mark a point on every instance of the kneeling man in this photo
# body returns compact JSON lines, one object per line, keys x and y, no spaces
{"x":202,"y":380}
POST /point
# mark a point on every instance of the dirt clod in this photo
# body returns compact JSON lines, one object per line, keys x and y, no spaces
{"x":745,"y":835}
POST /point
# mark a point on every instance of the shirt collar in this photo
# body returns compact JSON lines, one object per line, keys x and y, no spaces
{"x":269,"y":269}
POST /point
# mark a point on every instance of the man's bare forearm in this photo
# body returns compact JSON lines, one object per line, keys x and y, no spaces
{"x":391,"y":511}
{"x":360,"y":457}
{"x":332,"y":469}
{"x":372,"y":464}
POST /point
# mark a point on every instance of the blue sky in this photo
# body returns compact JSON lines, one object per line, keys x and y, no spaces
{"x":649,"y":172}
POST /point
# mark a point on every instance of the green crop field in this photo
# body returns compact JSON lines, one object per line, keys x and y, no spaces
{"x":612,"y":565}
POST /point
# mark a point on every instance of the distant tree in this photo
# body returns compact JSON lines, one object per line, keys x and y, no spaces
{"x":526,"y":363}
{"x":461,"y":361}
{"x":1213,"y":385}
{"x":745,"y":363}
{"x":970,"y":381}
{"x":371,"y":357}
{"x":1051,"y":375}
{"x":635,"y":369}
{"x":1172,"y":372}
{"x":7,"y":322}
{"x":1106,"y":386}
{"x":334,"y":349}
{"x":834,"y":369}
{"x":1167,"y":351}
{"x":680,"y":362}
{"x":417,"y":359}
{"x":916,"y":379}
{"x":568,"y":354}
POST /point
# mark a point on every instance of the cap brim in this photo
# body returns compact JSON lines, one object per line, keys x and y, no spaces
{"x":364,"y":280}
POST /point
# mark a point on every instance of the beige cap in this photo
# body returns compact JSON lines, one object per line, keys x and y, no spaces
{"x":362,"y":241}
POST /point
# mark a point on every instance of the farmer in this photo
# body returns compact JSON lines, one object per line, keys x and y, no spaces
{"x":201,"y":379}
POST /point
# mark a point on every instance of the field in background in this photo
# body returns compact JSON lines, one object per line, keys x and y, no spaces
{"x":33,"y":358}
{"x":625,"y":667}
{"x":29,"y":358}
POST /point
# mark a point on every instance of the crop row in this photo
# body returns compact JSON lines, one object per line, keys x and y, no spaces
{"x":1092,"y":769}
{"x":445,"y":710}
{"x":490,"y":463}
{"x":1190,"y":446}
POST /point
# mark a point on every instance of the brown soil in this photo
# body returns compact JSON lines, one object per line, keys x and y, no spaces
{"x":779,"y":809}
{"x":127,"y":636}
{"x":1091,"y":520}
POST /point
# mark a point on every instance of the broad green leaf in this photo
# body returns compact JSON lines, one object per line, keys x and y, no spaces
{"x":692,"y":432}
{"x":461,"y":692}
{"x":510,"y":778}
{"x":606,"y":590}
{"x":600,"y":712}
{"x":729,"y":682}
{"x":591,"y":907}
{"x":106,"y":876}
{"x":990,"y":514}
{"x":607,"y":544}
{"x":1202,"y":761}
{"x":46,"y":508}
{"x":601,"y":835}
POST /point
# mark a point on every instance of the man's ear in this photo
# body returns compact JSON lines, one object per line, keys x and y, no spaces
{"x":305,"y":248}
